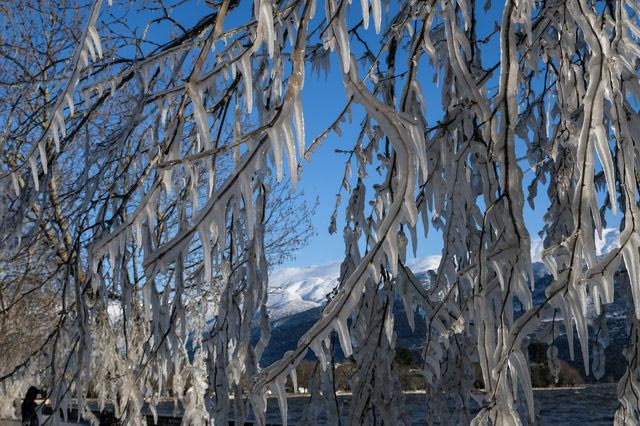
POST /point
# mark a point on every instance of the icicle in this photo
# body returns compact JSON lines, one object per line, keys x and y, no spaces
{"x":113,"y":251}
{"x":247,"y":77}
{"x":96,"y":40}
{"x":265,"y":21}
{"x":137,"y":227}
{"x":282,"y":397}
{"x":84,"y":57}
{"x":407,"y":298}
{"x":146,"y":241}
{"x":365,"y":13}
{"x":276,"y":149}
{"x":298,"y":118}
{"x":56,"y":137}
{"x":376,"y":9}
{"x":60,"y":120}
{"x":43,"y":156}
{"x":247,"y":196}
{"x":206,"y":247}
{"x":342,"y":37}
{"x":163,"y":113}
{"x":391,"y":249}
{"x":89,"y":46}
{"x":211,"y":178}
{"x":632,"y":262}
{"x":402,"y":242}
{"x":200,"y":115}
{"x":166,"y":180}
{"x":343,"y":334}
{"x":294,"y":380}
{"x":319,"y":352}
{"x":146,"y":296}
{"x":34,"y":173}
{"x":388,"y":326}
{"x":70,"y":104}
{"x":602,"y":147}
{"x":16,"y":183}
{"x":290,"y":147}
{"x":550,"y":264}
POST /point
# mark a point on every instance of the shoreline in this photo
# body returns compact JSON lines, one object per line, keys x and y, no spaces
{"x":422,"y":392}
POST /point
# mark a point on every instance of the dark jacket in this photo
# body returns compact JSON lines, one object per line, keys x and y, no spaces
{"x":29,"y":406}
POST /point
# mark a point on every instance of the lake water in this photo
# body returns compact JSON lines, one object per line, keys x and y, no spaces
{"x":594,"y":405}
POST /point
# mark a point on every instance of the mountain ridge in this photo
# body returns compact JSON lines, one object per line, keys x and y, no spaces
{"x":298,"y":296}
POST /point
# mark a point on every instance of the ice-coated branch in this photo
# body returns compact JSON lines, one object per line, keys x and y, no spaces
{"x":142,"y":214}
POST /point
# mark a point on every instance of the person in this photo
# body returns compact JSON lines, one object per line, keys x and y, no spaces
{"x":29,"y":406}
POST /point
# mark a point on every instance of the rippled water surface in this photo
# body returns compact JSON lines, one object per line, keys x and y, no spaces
{"x":571,"y":407}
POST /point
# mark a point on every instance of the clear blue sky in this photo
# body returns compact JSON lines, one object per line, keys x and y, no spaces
{"x":322,"y":177}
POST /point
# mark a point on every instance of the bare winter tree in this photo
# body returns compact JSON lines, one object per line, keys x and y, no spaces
{"x":38,"y":267}
{"x":113,"y":144}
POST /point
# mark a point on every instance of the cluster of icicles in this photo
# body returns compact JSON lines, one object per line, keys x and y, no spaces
{"x":461,"y":176}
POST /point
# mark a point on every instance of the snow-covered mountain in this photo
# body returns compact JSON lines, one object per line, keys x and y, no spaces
{"x":294,"y":290}
{"x":298,"y":295}
{"x":609,"y":241}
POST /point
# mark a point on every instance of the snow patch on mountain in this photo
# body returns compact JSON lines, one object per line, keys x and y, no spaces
{"x":610,"y":240}
{"x":294,"y":290}
{"x":425,"y":264}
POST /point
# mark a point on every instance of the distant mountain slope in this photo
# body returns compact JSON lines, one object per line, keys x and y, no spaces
{"x":299,"y":295}
{"x":294,"y":290}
